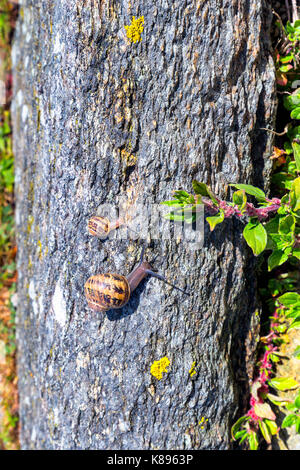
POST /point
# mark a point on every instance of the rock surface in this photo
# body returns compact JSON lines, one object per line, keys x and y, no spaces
{"x":97,"y":119}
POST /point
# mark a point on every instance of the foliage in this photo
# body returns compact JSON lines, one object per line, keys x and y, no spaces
{"x":288,"y":53}
{"x":8,"y":377}
{"x":293,"y":418}
{"x":260,"y":417}
{"x":272,"y":226}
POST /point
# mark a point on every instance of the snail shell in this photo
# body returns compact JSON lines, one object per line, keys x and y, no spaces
{"x":106,"y":291}
{"x":99,"y":226}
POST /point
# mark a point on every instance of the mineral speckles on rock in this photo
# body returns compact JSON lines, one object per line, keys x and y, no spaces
{"x":59,"y":305}
{"x":82,"y":361}
{"x":33,"y":296}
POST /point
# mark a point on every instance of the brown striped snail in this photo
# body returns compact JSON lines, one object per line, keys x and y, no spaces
{"x":109,"y":291}
{"x":102,"y":226}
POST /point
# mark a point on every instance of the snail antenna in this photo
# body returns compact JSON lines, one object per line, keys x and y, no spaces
{"x":162,"y":278}
{"x":142,"y":255}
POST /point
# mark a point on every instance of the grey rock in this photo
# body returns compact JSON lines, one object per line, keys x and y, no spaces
{"x":97,"y":119}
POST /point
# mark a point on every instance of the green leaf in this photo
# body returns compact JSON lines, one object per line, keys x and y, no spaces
{"x":289,"y":298}
{"x":278,"y":401}
{"x":287,"y":225}
{"x":252,"y":190}
{"x":296,"y":353}
{"x":277,"y":258}
{"x":283,"y":383}
{"x":237,"y":426}
{"x":280,"y":328}
{"x":175,"y":217}
{"x":289,"y":28}
{"x":285,"y":68}
{"x":296,"y":150}
{"x":295,"y":194}
{"x":297,"y":401}
{"x":296,"y":253}
{"x":240,"y":199}
{"x":289,"y":420}
{"x":291,"y":407}
{"x":286,"y":59}
{"x":292,"y":101}
{"x":180,"y":193}
{"x":182,"y":196}
{"x":274,"y":358}
{"x":272,"y":426}
{"x":265,"y":431}
{"x":295,"y":324}
{"x":241,"y":434}
{"x":256,"y":236}
{"x":273,"y":225}
{"x":253,"y":441}
{"x":203,"y":190}
{"x":295,"y":114}
{"x":173,"y":203}
{"x":293,"y":312}
{"x":215,"y":220}
{"x":200,"y":188}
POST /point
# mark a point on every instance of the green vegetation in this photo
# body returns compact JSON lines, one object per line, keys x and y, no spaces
{"x":8,"y":378}
{"x":272,"y":230}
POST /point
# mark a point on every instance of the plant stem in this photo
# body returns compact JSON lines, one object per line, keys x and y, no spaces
{"x":288,"y":9}
{"x":294,"y":10}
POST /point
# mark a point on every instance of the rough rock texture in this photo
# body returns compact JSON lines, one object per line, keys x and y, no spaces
{"x":97,"y":118}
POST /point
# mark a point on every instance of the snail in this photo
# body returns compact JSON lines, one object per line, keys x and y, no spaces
{"x":110,"y":291}
{"x":101,"y":226}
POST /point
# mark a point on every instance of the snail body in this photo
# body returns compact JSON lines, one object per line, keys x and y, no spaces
{"x":111,"y":291}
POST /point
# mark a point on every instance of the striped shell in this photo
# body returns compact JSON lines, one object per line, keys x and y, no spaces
{"x":106,"y":291}
{"x":99,"y":226}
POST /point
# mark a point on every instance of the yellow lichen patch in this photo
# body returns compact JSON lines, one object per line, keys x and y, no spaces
{"x":40,"y":249}
{"x":29,"y":224}
{"x":202,"y":422}
{"x":128,"y":157}
{"x":135,"y":29}
{"x":192,"y":370}
{"x":158,"y":367}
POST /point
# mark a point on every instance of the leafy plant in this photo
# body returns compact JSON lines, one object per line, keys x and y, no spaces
{"x":272,"y":225}
{"x":293,"y":419}
{"x":261,"y":419}
{"x":288,"y":53}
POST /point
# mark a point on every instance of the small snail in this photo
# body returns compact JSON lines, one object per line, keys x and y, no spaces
{"x":109,"y":291}
{"x":101,"y":226}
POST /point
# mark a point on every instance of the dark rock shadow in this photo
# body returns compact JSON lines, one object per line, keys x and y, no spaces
{"x":131,"y":307}
{"x":239,"y":322}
